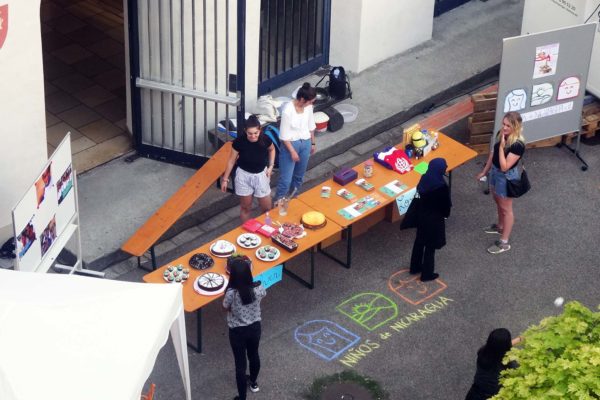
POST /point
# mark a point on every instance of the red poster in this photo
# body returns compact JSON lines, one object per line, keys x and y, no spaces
{"x":3,"y":23}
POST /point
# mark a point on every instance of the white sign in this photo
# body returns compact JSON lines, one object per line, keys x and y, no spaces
{"x":548,"y":111}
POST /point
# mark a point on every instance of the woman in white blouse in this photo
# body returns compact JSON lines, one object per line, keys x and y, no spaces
{"x":297,"y":135}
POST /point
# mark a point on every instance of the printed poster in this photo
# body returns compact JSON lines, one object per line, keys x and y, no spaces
{"x":546,"y":60}
{"x":361,"y":206}
{"x":403,"y":201}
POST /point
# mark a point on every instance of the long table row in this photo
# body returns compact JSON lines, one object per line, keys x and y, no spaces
{"x":339,"y":223}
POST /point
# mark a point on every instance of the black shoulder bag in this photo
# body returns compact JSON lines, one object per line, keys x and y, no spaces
{"x":518,"y":187}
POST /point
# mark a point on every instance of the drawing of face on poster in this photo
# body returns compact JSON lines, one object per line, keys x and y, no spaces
{"x":568,"y":88}
{"x":541,"y":94}
{"x":64,"y":184}
{"x":42,"y":184}
{"x":48,"y":236}
{"x":516,"y":100}
{"x":369,"y":310}
{"x":25,"y":239}
{"x":546,"y":60}
{"x":325,"y":338}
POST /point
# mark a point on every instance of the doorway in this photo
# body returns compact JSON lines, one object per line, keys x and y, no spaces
{"x":84,"y":77}
{"x":294,"y":40}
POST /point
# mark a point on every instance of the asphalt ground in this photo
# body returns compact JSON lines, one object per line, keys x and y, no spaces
{"x":431,"y":353}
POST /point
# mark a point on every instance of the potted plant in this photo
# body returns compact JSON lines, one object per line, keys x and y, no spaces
{"x":559,"y":358}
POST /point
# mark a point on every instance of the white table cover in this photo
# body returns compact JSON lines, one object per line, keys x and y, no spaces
{"x":72,"y":337}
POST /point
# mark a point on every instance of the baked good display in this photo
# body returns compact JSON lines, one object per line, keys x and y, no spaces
{"x":176,"y":274}
{"x":293,"y":231}
{"x":284,"y":241}
{"x":313,"y":220}
{"x":201,"y":261}
{"x":211,"y":282}
{"x":268,"y":253}
{"x":222,"y":248}
{"x":248,"y":240}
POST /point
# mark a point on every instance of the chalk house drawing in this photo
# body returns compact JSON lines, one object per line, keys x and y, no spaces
{"x":411,"y":289}
{"x":326,"y":339}
{"x":541,"y":94}
{"x":568,"y":88}
{"x":369,"y":310}
{"x":515,"y":100}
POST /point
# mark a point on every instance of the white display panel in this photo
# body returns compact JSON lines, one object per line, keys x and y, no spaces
{"x":46,"y":210}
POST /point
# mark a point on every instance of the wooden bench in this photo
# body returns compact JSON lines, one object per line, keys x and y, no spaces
{"x":148,"y":234}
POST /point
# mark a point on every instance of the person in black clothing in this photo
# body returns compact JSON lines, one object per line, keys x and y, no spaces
{"x":255,"y":156}
{"x":434,"y":207}
{"x":489,"y":364}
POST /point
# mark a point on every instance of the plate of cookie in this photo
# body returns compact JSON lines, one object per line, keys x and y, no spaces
{"x":176,"y":274}
{"x":248,"y":240}
{"x":268,"y":253}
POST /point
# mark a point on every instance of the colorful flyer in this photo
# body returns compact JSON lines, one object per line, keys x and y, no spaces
{"x":325,"y":192}
{"x":394,"y":188}
{"x":361,"y":206}
{"x":346,"y":194}
{"x":546,"y":60}
{"x":364,"y":185}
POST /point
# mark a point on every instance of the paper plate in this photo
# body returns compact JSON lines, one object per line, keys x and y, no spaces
{"x":266,"y":259}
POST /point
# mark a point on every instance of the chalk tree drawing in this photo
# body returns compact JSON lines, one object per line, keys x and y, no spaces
{"x":369,"y":310}
{"x":411,"y":289}
{"x":326,"y":339}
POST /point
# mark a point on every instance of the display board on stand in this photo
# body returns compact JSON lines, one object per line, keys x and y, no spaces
{"x":47,"y":217}
{"x":543,"y":76}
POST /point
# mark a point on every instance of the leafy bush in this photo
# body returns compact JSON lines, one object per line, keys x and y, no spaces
{"x":559,"y":359}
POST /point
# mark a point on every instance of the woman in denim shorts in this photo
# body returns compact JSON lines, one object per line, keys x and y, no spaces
{"x":503,"y":166}
{"x":254,"y":153}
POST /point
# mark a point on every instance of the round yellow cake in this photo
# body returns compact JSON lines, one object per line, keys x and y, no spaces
{"x":313,"y":220}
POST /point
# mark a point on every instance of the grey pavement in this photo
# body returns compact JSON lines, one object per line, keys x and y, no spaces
{"x":464,"y":54}
{"x":433,"y":356}
{"x":554,"y":253}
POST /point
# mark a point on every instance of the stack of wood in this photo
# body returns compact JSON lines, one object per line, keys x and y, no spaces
{"x":481,"y":124}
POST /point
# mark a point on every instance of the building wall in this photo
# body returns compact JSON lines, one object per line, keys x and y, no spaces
{"x":23,"y":149}
{"x":365,"y":32}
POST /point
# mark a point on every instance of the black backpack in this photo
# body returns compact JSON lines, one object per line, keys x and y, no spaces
{"x":338,"y":85}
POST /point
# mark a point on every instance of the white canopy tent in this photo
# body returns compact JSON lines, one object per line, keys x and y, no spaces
{"x":72,"y":337}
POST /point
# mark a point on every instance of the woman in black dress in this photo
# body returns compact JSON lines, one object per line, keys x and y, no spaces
{"x":434,"y":207}
{"x":489,"y":364}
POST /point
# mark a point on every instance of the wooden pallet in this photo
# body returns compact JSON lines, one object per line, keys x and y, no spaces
{"x":484,"y":101}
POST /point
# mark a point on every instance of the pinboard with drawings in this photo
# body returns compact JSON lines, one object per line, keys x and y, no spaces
{"x":543,"y":77}
{"x":43,"y":218}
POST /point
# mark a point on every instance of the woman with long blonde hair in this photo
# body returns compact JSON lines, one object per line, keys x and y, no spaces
{"x":502,"y":165}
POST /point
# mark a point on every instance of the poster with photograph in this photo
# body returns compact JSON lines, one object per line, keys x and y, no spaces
{"x":45,"y":211}
{"x":64,"y":184}
{"x":48,"y":236}
{"x":43,"y":184}
{"x":546,"y":60}
{"x":25,"y":239}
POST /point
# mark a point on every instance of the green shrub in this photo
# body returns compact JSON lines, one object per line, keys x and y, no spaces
{"x":559,"y":359}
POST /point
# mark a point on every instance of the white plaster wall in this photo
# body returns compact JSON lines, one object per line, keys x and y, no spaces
{"x":365,"y":32}
{"x":389,"y":27}
{"x":252,"y":55}
{"x":344,"y":43}
{"x":23,"y":149}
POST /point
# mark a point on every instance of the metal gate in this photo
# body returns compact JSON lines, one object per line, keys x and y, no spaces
{"x":182,"y":55}
{"x":442,"y":6}
{"x":294,"y":40}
